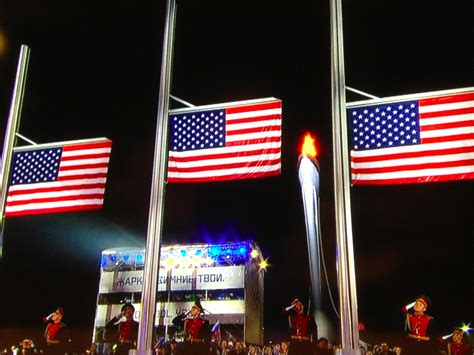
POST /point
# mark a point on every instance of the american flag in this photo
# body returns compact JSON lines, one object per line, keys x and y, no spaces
{"x":58,"y":177}
{"x":241,"y":140}
{"x":413,"y":139}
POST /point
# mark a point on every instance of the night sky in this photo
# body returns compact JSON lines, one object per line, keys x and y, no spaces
{"x":94,"y":72}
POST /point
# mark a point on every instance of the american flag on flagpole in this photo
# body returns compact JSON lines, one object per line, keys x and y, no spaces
{"x":413,"y":139}
{"x":58,"y":177}
{"x":240,"y":140}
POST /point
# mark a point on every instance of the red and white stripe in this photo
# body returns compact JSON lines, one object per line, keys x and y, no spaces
{"x":80,"y":184}
{"x":253,"y":148}
{"x":446,"y":151}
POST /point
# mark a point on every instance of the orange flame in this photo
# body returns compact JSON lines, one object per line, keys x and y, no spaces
{"x":309,"y":148}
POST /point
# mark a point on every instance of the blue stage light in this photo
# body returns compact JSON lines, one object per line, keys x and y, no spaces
{"x":139,"y":258}
{"x":184,"y":252}
{"x":242,"y":250}
{"x":198,"y":252}
{"x":214,"y":251}
{"x":113,"y":257}
{"x":125,"y":257}
{"x":103,"y":262}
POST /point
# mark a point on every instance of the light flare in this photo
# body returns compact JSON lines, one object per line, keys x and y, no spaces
{"x":466,"y":328}
{"x":254,"y":253}
{"x":170,"y":263}
{"x":444,"y":337}
{"x":264,"y":264}
{"x":3,"y":42}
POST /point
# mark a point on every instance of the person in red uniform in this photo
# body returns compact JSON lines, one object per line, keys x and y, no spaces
{"x":417,"y":325}
{"x":123,"y":330}
{"x":303,"y":329}
{"x":196,"y":329}
{"x":455,"y":346}
{"x":55,"y":333}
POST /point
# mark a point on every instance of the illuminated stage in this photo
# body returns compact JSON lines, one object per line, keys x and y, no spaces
{"x":227,"y":277}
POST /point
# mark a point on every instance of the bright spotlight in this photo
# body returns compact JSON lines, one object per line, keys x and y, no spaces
{"x":254,"y":253}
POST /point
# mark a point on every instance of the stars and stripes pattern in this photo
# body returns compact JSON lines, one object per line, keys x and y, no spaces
{"x":415,"y":139}
{"x":58,"y":177}
{"x":240,"y":140}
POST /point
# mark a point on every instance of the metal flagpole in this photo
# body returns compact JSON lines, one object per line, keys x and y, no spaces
{"x":11,"y":131}
{"x":345,"y":257}
{"x":157,"y":198}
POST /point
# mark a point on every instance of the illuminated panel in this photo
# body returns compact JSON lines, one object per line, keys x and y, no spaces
{"x":204,"y":255}
{"x":122,"y":259}
{"x":179,"y":256}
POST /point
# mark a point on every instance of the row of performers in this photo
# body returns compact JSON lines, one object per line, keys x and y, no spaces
{"x":123,"y":330}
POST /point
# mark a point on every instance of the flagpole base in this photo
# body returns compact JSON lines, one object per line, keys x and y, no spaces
{"x":140,"y":352}
{"x":347,"y":352}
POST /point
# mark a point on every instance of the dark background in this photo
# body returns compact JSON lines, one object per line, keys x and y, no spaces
{"x":94,"y":71}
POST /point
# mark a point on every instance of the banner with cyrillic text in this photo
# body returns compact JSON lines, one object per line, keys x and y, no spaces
{"x":212,"y":278}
